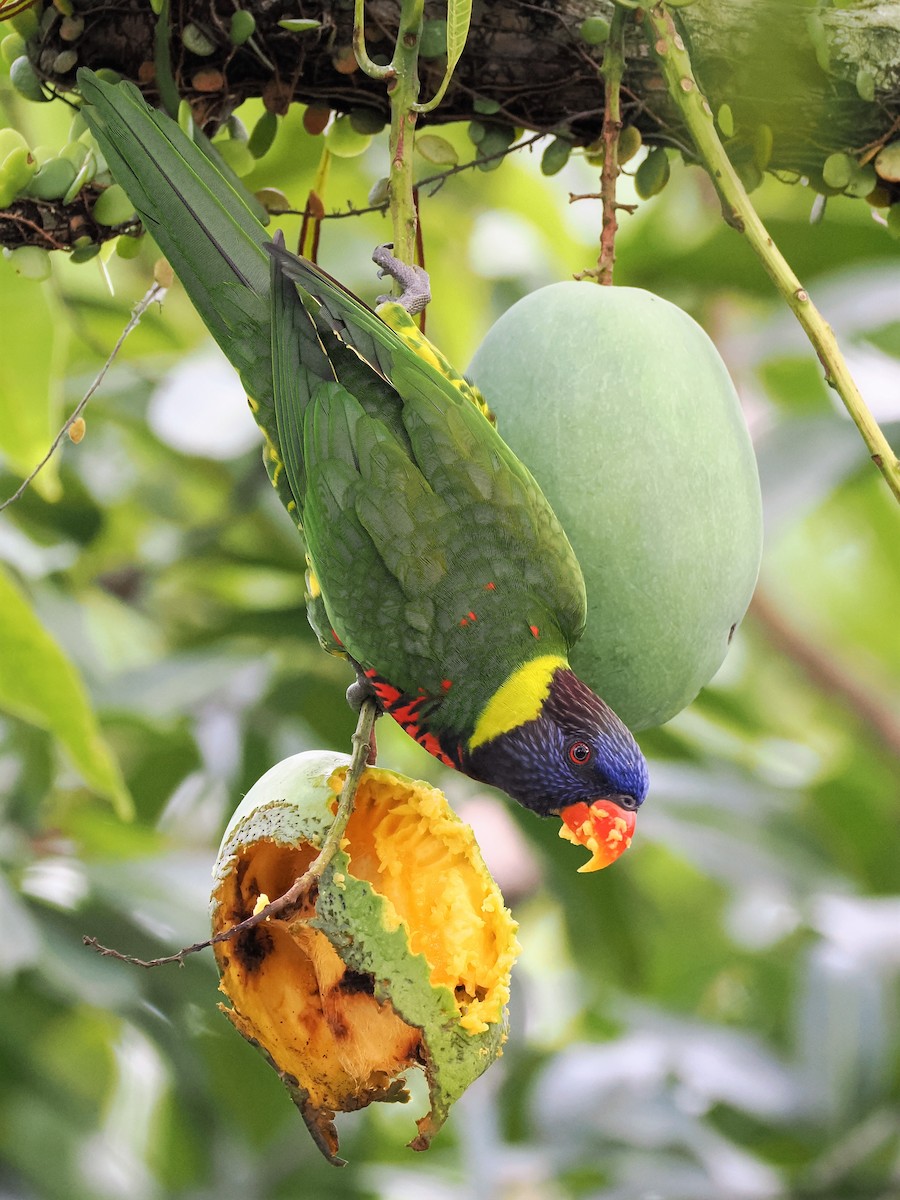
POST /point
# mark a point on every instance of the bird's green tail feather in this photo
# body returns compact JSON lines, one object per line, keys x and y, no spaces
{"x":213,"y":241}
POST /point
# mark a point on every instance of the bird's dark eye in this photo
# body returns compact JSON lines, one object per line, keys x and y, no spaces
{"x":580,"y":753}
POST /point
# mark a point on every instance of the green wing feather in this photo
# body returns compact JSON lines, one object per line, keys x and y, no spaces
{"x":213,"y":241}
{"x":416,"y":512}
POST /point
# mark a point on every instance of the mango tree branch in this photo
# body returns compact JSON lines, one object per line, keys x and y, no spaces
{"x":282,"y":906}
{"x":739,"y":211}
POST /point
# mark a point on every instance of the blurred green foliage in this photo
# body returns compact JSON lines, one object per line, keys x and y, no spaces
{"x":714,"y":1017}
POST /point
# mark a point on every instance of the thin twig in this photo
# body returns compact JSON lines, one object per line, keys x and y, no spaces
{"x":435,"y":182}
{"x":7,"y":215}
{"x":282,"y":906}
{"x":738,"y":211}
{"x":155,"y":292}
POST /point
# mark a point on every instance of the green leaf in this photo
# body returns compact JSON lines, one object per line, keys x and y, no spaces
{"x":887,"y":162}
{"x":39,"y":684}
{"x":197,"y":41}
{"x":300,"y":25}
{"x":263,"y":135}
{"x":863,"y":182}
{"x":437,"y":150}
{"x":762,"y":146}
{"x":344,"y":142}
{"x":594,"y":31}
{"x":555,"y":156}
{"x":653,"y":174}
{"x":242,"y":27}
{"x":459,"y":15}
{"x":112,"y":207}
{"x":725,"y":120}
{"x":865,"y":85}
{"x":485,"y":106}
{"x":433,"y":42}
{"x":838,"y":169}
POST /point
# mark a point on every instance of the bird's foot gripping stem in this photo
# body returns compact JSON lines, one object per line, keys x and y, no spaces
{"x":357,"y":693}
{"x":414,"y":280}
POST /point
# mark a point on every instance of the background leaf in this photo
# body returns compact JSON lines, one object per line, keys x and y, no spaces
{"x":39,"y":684}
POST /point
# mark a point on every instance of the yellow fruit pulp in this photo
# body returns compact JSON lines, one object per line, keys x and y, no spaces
{"x":405,"y":840}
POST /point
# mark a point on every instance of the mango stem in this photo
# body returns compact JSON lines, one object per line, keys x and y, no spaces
{"x":739,"y":212}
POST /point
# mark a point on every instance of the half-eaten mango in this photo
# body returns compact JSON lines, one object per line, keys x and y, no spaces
{"x":400,"y":958}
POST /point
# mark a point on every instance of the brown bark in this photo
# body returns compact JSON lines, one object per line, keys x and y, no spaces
{"x":802,"y":71}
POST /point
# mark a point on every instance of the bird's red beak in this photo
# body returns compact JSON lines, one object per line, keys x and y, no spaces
{"x":603,"y":827}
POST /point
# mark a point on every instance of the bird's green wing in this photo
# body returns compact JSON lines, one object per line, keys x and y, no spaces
{"x":416,"y":513}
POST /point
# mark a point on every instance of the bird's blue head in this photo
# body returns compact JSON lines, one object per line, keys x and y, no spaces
{"x":575,"y":759}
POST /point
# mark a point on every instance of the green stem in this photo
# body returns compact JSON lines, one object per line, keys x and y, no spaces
{"x":402,"y":76}
{"x":372,"y":69}
{"x":739,"y":212}
{"x":359,"y":759}
{"x":404,"y":92}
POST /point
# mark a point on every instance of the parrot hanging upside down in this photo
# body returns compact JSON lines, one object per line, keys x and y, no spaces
{"x":436,"y":564}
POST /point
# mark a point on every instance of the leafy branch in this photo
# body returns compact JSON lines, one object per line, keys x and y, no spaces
{"x":739,"y":212}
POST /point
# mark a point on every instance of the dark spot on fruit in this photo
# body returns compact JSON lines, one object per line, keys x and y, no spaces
{"x":252,"y":948}
{"x":731,"y":632}
{"x":338,"y":1026}
{"x":354,"y":983}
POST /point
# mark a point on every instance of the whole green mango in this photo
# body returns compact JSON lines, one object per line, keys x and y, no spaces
{"x":621,"y":407}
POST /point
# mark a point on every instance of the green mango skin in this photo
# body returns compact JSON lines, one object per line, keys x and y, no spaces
{"x":619,"y":404}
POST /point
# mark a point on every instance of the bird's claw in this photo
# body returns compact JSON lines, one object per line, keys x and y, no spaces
{"x":414,"y":280}
{"x":361,"y":690}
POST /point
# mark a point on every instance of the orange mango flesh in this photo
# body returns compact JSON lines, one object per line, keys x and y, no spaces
{"x":603,"y":828}
{"x":290,"y":992}
{"x":419,"y":857}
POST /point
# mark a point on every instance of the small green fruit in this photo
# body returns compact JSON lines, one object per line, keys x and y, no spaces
{"x":620,"y":405}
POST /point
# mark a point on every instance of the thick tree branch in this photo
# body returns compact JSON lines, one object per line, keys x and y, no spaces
{"x":765,"y":58}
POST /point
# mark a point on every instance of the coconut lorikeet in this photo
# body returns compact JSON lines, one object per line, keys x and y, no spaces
{"x":435,"y":563}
